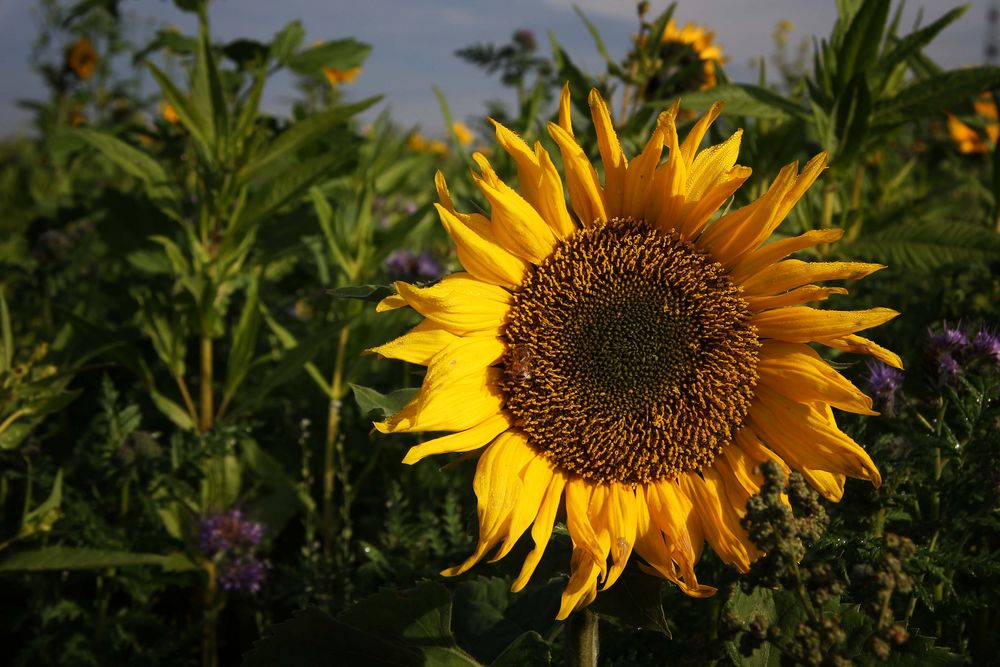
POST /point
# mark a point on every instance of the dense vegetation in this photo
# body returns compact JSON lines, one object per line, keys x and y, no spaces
{"x":186,"y":451}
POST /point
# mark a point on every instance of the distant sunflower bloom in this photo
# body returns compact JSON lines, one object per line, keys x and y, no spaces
{"x":969,"y":140}
{"x":690,"y":50}
{"x":420,"y":144}
{"x":169,"y":113}
{"x":81,"y":59}
{"x":628,"y":359}
{"x":337,"y":77}
{"x":462,"y":133}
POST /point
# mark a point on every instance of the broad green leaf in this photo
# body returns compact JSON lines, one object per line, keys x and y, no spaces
{"x":375,"y":405}
{"x":187,"y":112}
{"x":744,"y":607}
{"x":339,"y":54}
{"x":244,"y":343}
{"x":373,"y":293}
{"x":926,"y":246}
{"x":81,"y":558}
{"x":861,"y":42}
{"x":287,"y":41}
{"x":744,"y":100}
{"x":528,"y":649}
{"x":938,"y":93}
{"x":291,"y":183}
{"x":305,"y":132}
{"x":14,"y":434}
{"x":634,"y":602}
{"x":171,"y":410}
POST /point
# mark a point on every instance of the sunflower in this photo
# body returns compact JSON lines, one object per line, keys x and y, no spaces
{"x":628,"y":360}
{"x":689,"y":53}
{"x":81,"y":59}
{"x":339,"y":76}
{"x":969,"y":140}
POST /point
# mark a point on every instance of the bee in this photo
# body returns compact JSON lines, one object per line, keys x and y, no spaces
{"x":520,"y":362}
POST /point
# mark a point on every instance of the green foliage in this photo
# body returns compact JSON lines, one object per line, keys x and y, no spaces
{"x":186,"y":302}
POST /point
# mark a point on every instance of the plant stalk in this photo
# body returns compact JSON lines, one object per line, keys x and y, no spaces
{"x":582,"y":639}
{"x":206,"y":384}
{"x":332,"y":433}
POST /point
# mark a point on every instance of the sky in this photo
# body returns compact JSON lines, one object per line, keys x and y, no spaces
{"x":414,"y":41}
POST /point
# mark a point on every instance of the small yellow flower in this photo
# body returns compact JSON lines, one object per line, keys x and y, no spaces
{"x":969,"y":140}
{"x":701,"y":41}
{"x":81,"y":58}
{"x":168,"y":113}
{"x":463,"y":133}
{"x":419,"y":144}
{"x":338,"y":76}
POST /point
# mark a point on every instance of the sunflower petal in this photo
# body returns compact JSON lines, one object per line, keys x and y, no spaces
{"x":462,"y":405}
{"x":460,"y":303}
{"x":582,"y":586}
{"x":694,"y":138}
{"x":772,"y":252}
{"x":536,"y":479}
{"x":859,"y":345}
{"x":585,"y":191}
{"x":578,"y":499}
{"x":800,"y":324}
{"x":468,"y":440}
{"x":722,"y":529}
{"x":795,"y":297}
{"x":418,"y":345}
{"x":612,"y":156}
{"x":793,"y":273}
{"x":516,"y":223}
{"x":541,"y":530}
{"x":479,"y":251}
{"x":798,"y":373}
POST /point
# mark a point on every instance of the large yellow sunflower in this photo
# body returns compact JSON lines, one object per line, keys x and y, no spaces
{"x":628,"y":360}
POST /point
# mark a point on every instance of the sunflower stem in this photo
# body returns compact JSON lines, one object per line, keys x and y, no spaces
{"x":332,"y":433}
{"x":582,"y":640}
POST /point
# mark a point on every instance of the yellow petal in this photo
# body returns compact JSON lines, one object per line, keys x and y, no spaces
{"x":830,"y":485}
{"x":800,"y":324}
{"x":798,"y":373}
{"x":578,"y":498}
{"x":639,"y":178}
{"x":794,"y":273}
{"x":722,"y":529}
{"x":693,"y":140}
{"x":807,"y":437}
{"x":695,"y":214}
{"x":462,"y":405}
{"x":585,"y":192}
{"x":670,"y":179}
{"x":711,"y":165}
{"x":460,"y":303}
{"x":498,"y":487}
{"x":772,"y":252}
{"x":464,"y":441}
{"x":582,"y":586}
{"x":859,"y":345}
{"x":565,"y":109}
{"x":536,"y":479}
{"x":418,"y":345}
{"x":664,"y":560}
{"x":620,"y":510}
{"x":749,"y":443}
{"x":541,"y":530}
{"x":480,"y":253}
{"x":463,"y":357}
{"x":391,"y":302}
{"x":552,"y":200}
{"x":795,"y":297}
{"x":612,"y":156}
{"x":516,"y":223}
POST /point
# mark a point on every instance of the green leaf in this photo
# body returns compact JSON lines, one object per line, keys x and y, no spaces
{"x":375,"y":405}
{"x":134,"y":162}
{"x":339,"y":54}
{"x":927,"y":246}
{"x":305,"y":132}
{"x":918,"y":39}
{"x":189,"y":115}
{"x":938,"y":93}
{"x":744,"y":100}
{"x":634,"y":601}
{"x":207,"y":89}
{"x":81,"y":558}
{"x":850,"y":115}
{"x":287,"y":41}
{"x":288,"y":342}
{"x":291,"y":362}
{"x":745,"y":607}
{"x":6,"y":335}
{"x":42,"y":517}
{"x":244,"y":343}
{"x":373,"y":293}
{"x":528,"y":649}
{"x":290,"y":184}
{"x":171,"y":410}
{"x":861,"y":42}
{"x":14,"y":434}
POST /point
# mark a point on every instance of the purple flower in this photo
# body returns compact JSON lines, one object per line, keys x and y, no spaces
{"x":948,"y":340}
{"x":987,"y":343}
{"x":884,"y":381}
{"x":228,"y":531}
{"x":409,"y":266}
{"x":243,"y":574}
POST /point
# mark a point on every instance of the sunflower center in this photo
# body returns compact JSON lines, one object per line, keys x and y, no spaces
{"x":683,"y":70}
{"x":631,"y":356}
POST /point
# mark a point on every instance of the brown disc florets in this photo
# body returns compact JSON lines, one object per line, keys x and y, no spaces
{"x":631,"y":356}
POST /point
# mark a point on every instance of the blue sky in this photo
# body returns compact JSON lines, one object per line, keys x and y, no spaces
{"x":415,"y":40}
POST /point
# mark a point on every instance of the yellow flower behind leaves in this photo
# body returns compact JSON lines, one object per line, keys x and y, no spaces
{"x":462,"y":133}
{"x":168,"y":113}
{"x":420,"y":144}
{"x":630,"y":359}
{"x":969,"y":140}
{"x":81,"y":59}
{"x":337,"y":77}
{"x":701,"y":42}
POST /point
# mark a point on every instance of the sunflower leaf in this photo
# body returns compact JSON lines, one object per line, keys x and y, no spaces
{"x":375,"y":405}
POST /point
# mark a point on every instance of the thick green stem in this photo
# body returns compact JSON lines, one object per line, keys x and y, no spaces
{"x":582,"y":639}
{"x":332,"y":433}
{"x":207,"y":411}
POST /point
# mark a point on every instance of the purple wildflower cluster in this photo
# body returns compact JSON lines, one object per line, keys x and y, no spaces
{"x":232,"y":541}
{"x":885,"y":382}
{"x":389,"y":210}
{"x":410,"y":266}
{"x":951,"y":351}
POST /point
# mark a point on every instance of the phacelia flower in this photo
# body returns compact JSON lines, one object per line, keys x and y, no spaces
{"x":987,"y":344}
{"x":633,"y":357}
{"x":884,"y":381}
{"x":243,"y":574}
{"x":231,"y":541}
{"x":410,"y":266}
